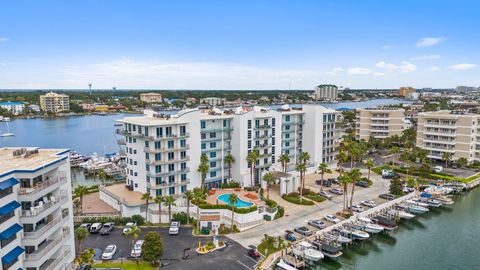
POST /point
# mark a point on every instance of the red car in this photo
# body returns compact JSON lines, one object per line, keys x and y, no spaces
{"x":253,"y":252}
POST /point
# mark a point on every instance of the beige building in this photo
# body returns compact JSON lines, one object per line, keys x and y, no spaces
{"x":212,"y":101}
{"x":54,"y":103}
{"x":151,"y":97}
{"x":457,"y":133}
{"x":379,"y":123}
{"x":406,"y":91}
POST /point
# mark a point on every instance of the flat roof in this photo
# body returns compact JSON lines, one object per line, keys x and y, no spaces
{"x":9,"y":163}
{"x":124,"y":195}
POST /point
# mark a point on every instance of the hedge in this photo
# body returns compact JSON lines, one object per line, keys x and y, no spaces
{"x":314,"y":197}
{"x":297,"y":200}
{"x":243,"y":210}
{"x":118,"y":220}
{"x":271,"y":203}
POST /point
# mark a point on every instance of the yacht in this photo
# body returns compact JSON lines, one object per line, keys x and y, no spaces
{"x":307,"y":251}
{"x":337,"y":237}
{"x":328,"y":250}
{"x":444,"y":200}
{"x":283,"y":265}
{"x":354,"y":233}
{"x":401,"y":214}
{"x":416,"y":202}
{"x":387,"y":224}
{"x":416,"y":209}
{"x":367,"y":225}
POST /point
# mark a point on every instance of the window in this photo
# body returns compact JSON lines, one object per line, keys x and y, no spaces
{"x":168,"y":131}
{"x":183,"y":154}
{"x":249,"y":144}
{"x":287,"y":136}
{"x":171,"y":156}
{"x":213,"y":135}
{"x":134,"y":140}
{"x":249,"y":134}
{"x":257,"y":123}
{"x":183,"y":143}
{"x":287,"y":144}
{"x":159,"y":192}
{"x":171,"y":190}
{"x":213,"y":145}
{"x":225,"y":123}
{"x":171,"y":167}
{"x":159,"y":132}
{"x":213,"y":154}
{"x":158,"y":180}
{"x":158,"y":169}
{"x":273,"y":122}
{"x":183,"y":130}
{"x":249,"y":124}
{"x":183,"y":189}
{"x":134,"y":151}
{"x":158,"y":156}
{"x":183,"y":177}
{"x":170,"y":144}
{"x":157,"y":145}
{"x":147,"y":168}
{"x":202,"y":124}
{"x":204,"y":136}
{"x":213,"y":164}
{"x":183,"y":165}
{"x":287,"y":118}
{"x":146,"y":144}
{"x":204,"y":146}
{"x":213,"y":174}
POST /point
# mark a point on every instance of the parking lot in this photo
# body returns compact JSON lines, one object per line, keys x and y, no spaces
{"x":234,"y":256}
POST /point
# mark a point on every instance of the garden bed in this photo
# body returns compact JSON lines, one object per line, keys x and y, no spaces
{"x":297,"y":200}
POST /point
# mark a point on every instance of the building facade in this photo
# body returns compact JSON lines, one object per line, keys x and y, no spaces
{"x":14,"y":107}
{"x":456,"y":133}
{"x":36,"y":215}
{"x":163,"y":151}
{"x":151,"y":97}
{"x":405,"y":91}
{"x":379,"y":123}
{"x":54,"y":103}
{"x":212,"y":101}
{"x":326,"y":92}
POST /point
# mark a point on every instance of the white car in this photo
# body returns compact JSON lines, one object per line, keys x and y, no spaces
{"x":332,"y":218}
{"x":317,"y":223}
{"x":438,"y":169}
{"x":137,"y":249}
{"x":358,"y":208}
{"x":369,"y":203}
{"x":127,"y":227}
{"x":174,"y":228}
{"x":108,"y":252}
{"x":325,"y":194}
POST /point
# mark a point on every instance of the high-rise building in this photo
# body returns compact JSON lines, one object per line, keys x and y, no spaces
{"x":405,"y":91}
{"x":380,"y":123}
{"x":326,"y":92}
{"x":151,"y":97}
{"x":36,"y":215}
{"x":54,"y":103}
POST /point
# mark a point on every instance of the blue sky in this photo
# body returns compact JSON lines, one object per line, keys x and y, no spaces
{"x":239,"y":44}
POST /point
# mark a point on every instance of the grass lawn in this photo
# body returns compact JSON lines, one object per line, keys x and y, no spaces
{"x":270,"y":249}
{"x":126,"y":265}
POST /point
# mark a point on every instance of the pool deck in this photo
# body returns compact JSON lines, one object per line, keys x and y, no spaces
{"x":212,"y":198}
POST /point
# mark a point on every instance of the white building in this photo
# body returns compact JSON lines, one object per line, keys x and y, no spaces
{"x":36,"y":221}
{"x":54,"y":103}
{"x":14,"y":107}
{"x":326,"y":92}
{"x":212,"y":101}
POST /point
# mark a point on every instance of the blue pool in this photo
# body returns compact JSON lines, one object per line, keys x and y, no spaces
{"x":240,"y":203}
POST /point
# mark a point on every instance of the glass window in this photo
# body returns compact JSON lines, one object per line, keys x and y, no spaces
{"x":171,"y":190}
{"x":213,"y":164}
{"x":202,"y":124}
{"x":213,"y":154}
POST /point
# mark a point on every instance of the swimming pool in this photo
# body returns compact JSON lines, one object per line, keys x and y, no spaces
{"x":240,"y":203}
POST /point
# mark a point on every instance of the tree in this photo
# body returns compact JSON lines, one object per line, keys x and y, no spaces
{"x":342,"y":158}
{"x":85,"y":257}
{"x":229,"y":159}
{"x":159,"y":201}
{"x":81,"y":234}
{"x":169,"y":202}
{"x":412,"y":182}
{"x":102,"y":175}
{"x":421,"y":154}
{"x":79,"y":192}
{"x":446,"y":157}
{"x":301,"y":168}
{"x":269,"y":179}
{"x":232,"y":200}
{"x":344,"y":181}
{"x":396,"y":186}
{"x":284,"y":159}
{"x":152,"y":248}
{"x":355,"y":175}
{"x":323,"y":168}
{"x":304,"y":158}
{"x":146,"y":197}
{"x":198,"y":197}
{"x":203,"y":168}
{"x":188,"y":197}
{"x":133,"y":233}
{"x":252,"y":160}
{"x":394,"y":150}
{"x":369,"y":163}
{"x":462,"y":162}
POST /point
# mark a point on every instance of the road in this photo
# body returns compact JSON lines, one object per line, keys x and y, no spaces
{"x":304,"y":213}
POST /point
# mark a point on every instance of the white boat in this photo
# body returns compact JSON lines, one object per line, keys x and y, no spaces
{"x":307,"y":251}
{"x":401,"y":214}
{"x":368,"y":225}
{"x":329,"y":251}
{"x":338,"y":238}
{"x":444,"y":200}
{"x":416,"y":202}
{"x":8,"y":133}
{"x":354,"y":233}
{"x":416,"y":209}
{"x":283,"y":265}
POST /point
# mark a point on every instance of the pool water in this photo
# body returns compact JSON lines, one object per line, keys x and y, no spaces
{"x":240,"y":203}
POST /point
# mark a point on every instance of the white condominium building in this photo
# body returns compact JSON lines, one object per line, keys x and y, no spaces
{"x":326,"y":92}
{"x":36,"y":221}
{"x":54,"y":103}
{"x":457,"y":133}
{"x":380,"y":123}
{"x":163,"y":151}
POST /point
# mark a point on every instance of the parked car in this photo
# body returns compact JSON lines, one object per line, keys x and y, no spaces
{"x":325,"y":194}
{"x":334,"y":181}
{"x":388,"y":174}
{"x":454,"y":166}
{"x":290,"y":236}
{"x":253,"y":252}
{"x":361,"y":184}
{"x":317,"y":223}
{"x":174,"y":228}
{"x":326,"y":182}
{"x":303,"y":230}
{"x":358,"y":208}
{"x":107,"y":228}
{"x":108,"y":252}
{"x":438,"y":169}
{"x":368,"y":203}
{"x":336,"y":191}
{"x":387,"y":196}
{"x":137,"y":249}
{"x":84,"y":267}
{"x":127,"y":227}
{"x":86,"y":226}
{"x":96,"y":227}
{"x":332,"y":218}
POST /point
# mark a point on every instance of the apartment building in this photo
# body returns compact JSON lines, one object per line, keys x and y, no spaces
{"x":54,"y":103}
{"x":326,"y":92}
{"x":456,"y":133}
{"x":212,"y":101}
{"x":36,"y":221}
{"x":405,"y":91}
{"x":380,"y":123}
{"x":163,"y":151}
{"x":151,"y":97}
{"x":14,"y":107}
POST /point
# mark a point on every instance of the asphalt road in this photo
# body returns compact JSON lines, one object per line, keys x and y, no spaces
{"x":232,"y":257}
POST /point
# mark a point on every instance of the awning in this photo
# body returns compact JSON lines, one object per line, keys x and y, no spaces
{"x":9,"y":207}
{"x":12,"y":255}
{"x":8,"y":233}
{"x":8,"y":183}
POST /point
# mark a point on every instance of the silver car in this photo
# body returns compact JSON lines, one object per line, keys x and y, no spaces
{"x":317,"y":223}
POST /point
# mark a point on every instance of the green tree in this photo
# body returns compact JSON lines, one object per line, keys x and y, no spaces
{"x":252,"y":160}
{"x":159,"y":201}
{"x":198,"y":197}
{"x":284,"y":159}
{"x":301,"y":168}
{"x":462,"y":162}
{"x":232,"y":200}
{"x":203,"y":168}
{"x":169,"y":202}
{"x":152,"y":248}
{"x":133,"y":233}
{"x":85,"y":257}
{"x":412,"y":182}
{"x":147,"y":198}
{"x":446,"y":157}
{"x":229,"y":159}
{"x":355,"y":175}
{"x":344,"y":181}
{"x":342,"y":158}
{"x":81,"y":234}
{"x":396,"y":186}
{"x":304,"y":158}
{"x":79,"y":192}
{"x":323,"y":168}
{"x":369,"y":163}
{"x":188,"y":197}
{"x":394,"y":150}
{"x":102,"y":175}
{"x":269,"y":179}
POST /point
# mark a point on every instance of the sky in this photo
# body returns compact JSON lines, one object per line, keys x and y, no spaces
{"x":245,"y":44}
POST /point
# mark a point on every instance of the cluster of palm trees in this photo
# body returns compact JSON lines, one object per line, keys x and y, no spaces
{"x":301,"y":167}
{"x":252,"y":160}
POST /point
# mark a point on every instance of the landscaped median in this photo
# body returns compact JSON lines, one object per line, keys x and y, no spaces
{"x":126,"y":265}
{"x":296,"y":199}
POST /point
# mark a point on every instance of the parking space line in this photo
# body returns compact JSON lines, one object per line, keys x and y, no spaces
{"x":250,"y":258}
{"x":244,"y":265}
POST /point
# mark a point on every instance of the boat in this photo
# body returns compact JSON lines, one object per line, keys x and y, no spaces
{"x":283,"y":265}
{"x":416,"y":202}
{"x":8,"y":133}
{"x":4,"y":119}
{"x":307,"y":251}
{"x":337,"y":237}
{"x":354,"y":233}
{"x":444,"y":200}
{"x":416,"y":209}
{"x":431,"y":202}
{"x":368,"y":225}
{"x":328,"y":250}
{"x":387,"y":224}
{"x":401,"y":214}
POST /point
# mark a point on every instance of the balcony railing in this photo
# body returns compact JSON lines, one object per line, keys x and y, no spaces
{"x":160,"y":162}
{"x":153,"y":174}
{"x":37,"y":210}
{"x":45,"y":184}
{"x":168,"y":184}
{"x":166,"y":149}
{"x":43,"y":250}
{"x":39,"y":232}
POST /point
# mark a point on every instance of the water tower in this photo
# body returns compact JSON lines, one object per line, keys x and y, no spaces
{"x":90,"y":88}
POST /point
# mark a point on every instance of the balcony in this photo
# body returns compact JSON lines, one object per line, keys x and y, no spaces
{"x":167,"y":184}
{"x":161,"y":162}
{"x":166,"y":149}
{"x":54,"y":202}
{"x":56,"y":222}
{"x":56,"y":180}
{"x":262,"y":126}
{"x":169,"y":136}
{"x":160,"y":174}
{"x":123,"y":132}
{"x":49,"y":245}
{"x":221,"y":129}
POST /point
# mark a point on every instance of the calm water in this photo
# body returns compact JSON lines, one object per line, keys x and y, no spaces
{"x":445,"y":238}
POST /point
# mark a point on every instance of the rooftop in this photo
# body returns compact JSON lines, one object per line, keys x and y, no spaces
{"x":9,"y":162}
{"x":11,"y":103}
{"x":124,"y":195}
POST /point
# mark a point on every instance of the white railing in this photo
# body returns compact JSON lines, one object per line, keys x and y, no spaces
{"x":37,"y":233}
{"x":37,"y":210}
{"x":43,"y":250}
{"x":43,"y":185}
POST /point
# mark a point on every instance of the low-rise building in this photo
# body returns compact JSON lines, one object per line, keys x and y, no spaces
{"x":151,"y":97}
{"x":14,"y":107}
{"x":212,"y":101}
{"x":54,"y":103}
{"x":379,"y":123}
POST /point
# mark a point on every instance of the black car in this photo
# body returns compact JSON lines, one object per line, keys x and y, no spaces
{"x":387,"y":196}
{"x":325,"y":182}
{"x":84,"y":267}
{"x":361,"y":184}
{"x":107,"y":228}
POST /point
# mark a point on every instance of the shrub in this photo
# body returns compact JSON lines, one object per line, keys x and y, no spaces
{"x":138,"y":219}
{"x":230,"y":184}
{"x":271,"y":203}
{"x":182,"y":218}
{"x":294,"y":194}
{"x":243,"y":210}
{"x":315,"y":197}
{"x":280,"y":212}
{"x":297,"y":200}
{"x":224,"y":229}
{"x":210,"y":245}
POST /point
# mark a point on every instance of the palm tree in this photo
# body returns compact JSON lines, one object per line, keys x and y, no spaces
{"x":203,"y":168}
{"x":169,"y":202}
{"x":394,"y":150}
{"x":146,"y":197}
{"x":342,"y":158}
{"x":252,"y":160}
{"x":344,"y":181}
{"x":301,"y":168}
{"x":446,"y":157}
{"x":284,"y":159}
{"x":102,"y":175}
{"x":355,"y":175}
{"x":323,"y":168}
{"x":159,"y":201}
{"x":304,"y":158}
{"x":188,"y":197}
{"x":198,"y":197}
{"x":79,"y":192}
{"x":369,"y":163}
{"x":133,"y":233}
{"x":81,"y":234}
{"x":232,"y":200}
{"x":422,"y":155}
{"x":229,"y":159}
{"x":268,"y":178}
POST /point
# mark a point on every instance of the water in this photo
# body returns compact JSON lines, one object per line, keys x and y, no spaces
{"x":240,"y":203}
{"x":446,"y":238}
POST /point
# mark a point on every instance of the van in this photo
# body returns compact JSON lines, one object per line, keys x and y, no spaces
{"x":438,"y":169}
{"x":95,"y":228}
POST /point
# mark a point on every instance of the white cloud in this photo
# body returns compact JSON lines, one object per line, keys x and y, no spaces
{"x":359,"y":71}
{"x":434,"y":68}
{"x":378,"y":74}
{"x":428,"y":41}
{"x":426,"y":57}
{"x":386,"y":47}
{"x":3,"y":39}
{"x":404,"y":66}
{"x":464,"y":66}
{"x":338,"y":69}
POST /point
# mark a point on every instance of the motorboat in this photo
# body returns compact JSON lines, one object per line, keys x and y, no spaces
{"x":444,"y":200}
{"x":336,"y":236}
{"x":431,"y":202}
{"x":416,"y":202}
{"x":307,"y":251}
{"x":416,"y":209}
{"x":368,"y":225}
{"x":387,"y":224}
{"x":285,"y":266}
{"x":401,"y":214}
{"x":354,"y":233}
{"x":328,"y":250}
{"x":8,"y":133}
